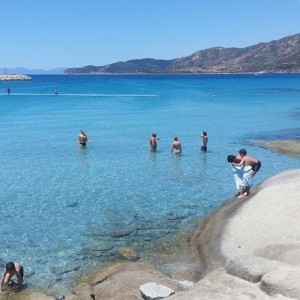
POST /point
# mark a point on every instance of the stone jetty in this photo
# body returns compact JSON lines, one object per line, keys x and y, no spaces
{"x":14,"y":77}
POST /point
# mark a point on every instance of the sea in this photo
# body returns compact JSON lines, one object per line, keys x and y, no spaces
{"x":67,"y":210}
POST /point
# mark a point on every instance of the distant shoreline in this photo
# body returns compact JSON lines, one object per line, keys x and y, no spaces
{"x":158,"y":74}
{"x":155,"y":74}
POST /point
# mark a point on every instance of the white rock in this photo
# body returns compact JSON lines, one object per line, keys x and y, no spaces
{"x":154,"y":291}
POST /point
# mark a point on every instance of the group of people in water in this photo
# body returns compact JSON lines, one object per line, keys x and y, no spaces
{"x":8,"y":91}
{"x":244,"y":167}
{"x":82,"y":140}
{"x":176,"y":145}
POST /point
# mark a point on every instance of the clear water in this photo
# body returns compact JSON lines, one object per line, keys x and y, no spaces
{"x":65,"y":210}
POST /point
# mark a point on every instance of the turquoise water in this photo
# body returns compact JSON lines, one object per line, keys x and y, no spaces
{"x":65,"y":210}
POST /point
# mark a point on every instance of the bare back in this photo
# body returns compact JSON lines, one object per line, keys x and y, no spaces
{"x":249,"y":161}
{"x":204,"y":140}
{"x":176,"y":145}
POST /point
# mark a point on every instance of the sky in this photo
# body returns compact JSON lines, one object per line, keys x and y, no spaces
{"x":47,"y":34}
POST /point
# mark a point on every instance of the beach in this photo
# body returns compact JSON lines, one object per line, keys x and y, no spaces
{"x":250,"y":248}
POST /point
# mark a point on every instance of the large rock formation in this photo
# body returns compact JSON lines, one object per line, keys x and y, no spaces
{"x":258,"y":239}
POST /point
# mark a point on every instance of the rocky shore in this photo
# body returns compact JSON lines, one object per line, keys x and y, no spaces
{"x":250,"y":248}
{"x":14,"y":77}
{"x":288,"y":147}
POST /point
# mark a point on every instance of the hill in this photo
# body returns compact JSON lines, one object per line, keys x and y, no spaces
{"x":280,"y":56}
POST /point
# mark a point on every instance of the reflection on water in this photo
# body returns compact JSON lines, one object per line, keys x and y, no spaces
{"x":177,"y":171}
{"x":203,"y":157}
{"x":153,"y":156}
{"x":83,"y":155}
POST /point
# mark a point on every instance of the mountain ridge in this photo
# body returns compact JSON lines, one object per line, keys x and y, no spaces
{"x":277,"y":56}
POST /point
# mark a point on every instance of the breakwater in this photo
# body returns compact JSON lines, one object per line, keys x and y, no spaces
{"x":14,"y":77}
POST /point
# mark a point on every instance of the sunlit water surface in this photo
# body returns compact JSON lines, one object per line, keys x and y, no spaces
{"x":65,"y":210}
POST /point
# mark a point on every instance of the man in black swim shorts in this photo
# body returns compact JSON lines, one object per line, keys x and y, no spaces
{"x":82,"y":138}
{"x":256,"y":167}
{"x":204,"y":141}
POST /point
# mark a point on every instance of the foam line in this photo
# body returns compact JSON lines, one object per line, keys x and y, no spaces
{"x":80,"y":95}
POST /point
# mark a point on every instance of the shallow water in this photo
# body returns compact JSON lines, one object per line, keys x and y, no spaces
{"x":66,"y":210}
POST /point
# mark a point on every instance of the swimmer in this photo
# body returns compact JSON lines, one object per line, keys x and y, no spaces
{"x":153,"y":143}
{"x":176,"y":146}
{"x":82,"y":138}
{"x":204,"y":141}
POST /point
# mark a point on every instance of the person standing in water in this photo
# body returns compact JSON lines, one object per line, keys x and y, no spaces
{"x":204,"y":141}
{"x":8,"y":91}
{"x":176,"y":146}
{"x":82,"y":138}
{"x":153,"y":143}
{"x":12,"y":268}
